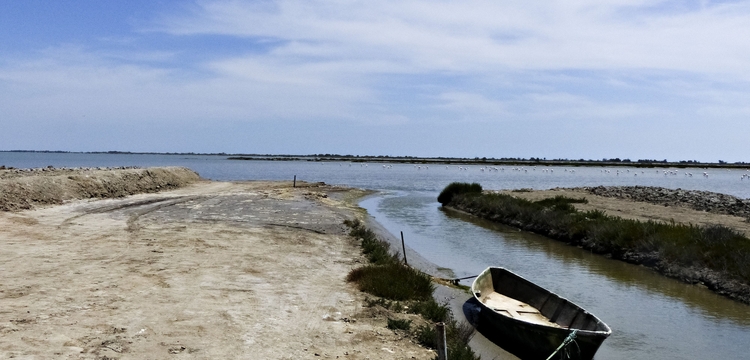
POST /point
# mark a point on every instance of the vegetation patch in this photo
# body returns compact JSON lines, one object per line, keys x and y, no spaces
{"x":457,"y":188}
{"x":715,"y":247}
{"x":401,"y":288}
{"x":393,"y":281}
{"x":399,"y":324}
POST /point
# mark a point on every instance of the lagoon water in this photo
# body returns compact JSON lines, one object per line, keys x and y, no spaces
{"x":652,"y":317}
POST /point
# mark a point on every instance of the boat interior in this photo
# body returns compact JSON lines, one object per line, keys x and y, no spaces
{"x":513,"y":296}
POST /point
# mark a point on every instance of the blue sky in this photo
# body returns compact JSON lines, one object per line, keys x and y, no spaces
{"x":557,"y":79}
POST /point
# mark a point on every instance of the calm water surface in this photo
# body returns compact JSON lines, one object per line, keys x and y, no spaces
{"x":652,"y":317}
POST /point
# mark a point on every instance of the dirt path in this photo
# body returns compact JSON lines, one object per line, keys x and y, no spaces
{"x":214,"y":270}
{"x":637,"y":210}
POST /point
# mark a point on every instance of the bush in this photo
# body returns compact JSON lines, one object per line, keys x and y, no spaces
{"x":376,"y":251}
{"x":394,"y":281}
{"x":456,"y":188}
{"x":395,"y":324}
{"x":431,"y":310}
{"x":427,"y":336}
{"x":457,"y":336}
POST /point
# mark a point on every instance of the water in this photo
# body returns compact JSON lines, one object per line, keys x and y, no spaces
{"x":652,"y":317}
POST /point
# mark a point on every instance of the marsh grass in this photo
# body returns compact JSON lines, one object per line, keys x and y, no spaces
{"x":427,"y":336}
{"x":457,"y":336}
{"x":715,"y":247}
{"x":457,"y":188}
{"x":376,"y":251}
{"x":399,"y":324}
{"x":384,"y":303}
{"x":431,"y":310}
{"x":393,"y":281}
{"x":400,"y":287}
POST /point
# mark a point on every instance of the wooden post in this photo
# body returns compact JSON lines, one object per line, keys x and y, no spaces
{"x":294,"y":184}
{"x":404,"y":248}
{"x":442,"y":347}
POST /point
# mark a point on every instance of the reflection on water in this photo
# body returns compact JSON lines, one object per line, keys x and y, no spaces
{"x":652,"y":317}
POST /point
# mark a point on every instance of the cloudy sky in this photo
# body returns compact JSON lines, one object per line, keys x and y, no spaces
{"x":505,"y":78}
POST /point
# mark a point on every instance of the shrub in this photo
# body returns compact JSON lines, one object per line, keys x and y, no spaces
{"x":457,"y":336}
{"x":376,"y":251}
{"x":455,"y":188}
{"x":431,"y":310}
{"x":394,"y":281}
{"x":395,"y":324}
{"x":427,"y":336}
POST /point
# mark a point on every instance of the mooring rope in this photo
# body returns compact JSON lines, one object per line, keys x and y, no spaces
{"x":456,"y":281}
{"x":571,"y":337}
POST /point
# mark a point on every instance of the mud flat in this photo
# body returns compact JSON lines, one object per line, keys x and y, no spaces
{"x":206,"y":270}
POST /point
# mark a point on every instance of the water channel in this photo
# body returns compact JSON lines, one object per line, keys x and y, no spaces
{"x":652,"y":317}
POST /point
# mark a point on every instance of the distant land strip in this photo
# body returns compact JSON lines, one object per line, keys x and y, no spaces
{"x":498,"y":162}
{"x":484,"y":161}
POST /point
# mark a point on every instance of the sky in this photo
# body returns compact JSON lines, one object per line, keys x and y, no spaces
{"x":574,"y":79}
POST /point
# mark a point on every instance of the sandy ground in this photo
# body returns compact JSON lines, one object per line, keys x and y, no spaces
{"x":643,"y":211}
{"x":214,"y":270}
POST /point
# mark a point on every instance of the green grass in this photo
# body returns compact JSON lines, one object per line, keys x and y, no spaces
{"x":396,"y":324}
{"x":401,"y":287}
{"x":377,"y":251}
{"x":431,"y":310}
{"x":457,"y":336}
{"x":393,"y":281}
{"x":714,"y":247}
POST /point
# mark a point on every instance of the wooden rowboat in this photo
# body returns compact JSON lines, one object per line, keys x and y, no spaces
{"x":533,"y":319}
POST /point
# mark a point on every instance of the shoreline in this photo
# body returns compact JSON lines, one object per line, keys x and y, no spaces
{"x":207,"y":218}
{"x":484,"y":161}
{"x":627,"y":208}
{"x":206,"y":270}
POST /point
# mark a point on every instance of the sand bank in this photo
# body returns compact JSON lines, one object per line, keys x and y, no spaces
{"x":211,"y":270}
{"x":22,"y":189}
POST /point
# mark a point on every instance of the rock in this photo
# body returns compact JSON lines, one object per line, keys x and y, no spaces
{"x":694,"y":199}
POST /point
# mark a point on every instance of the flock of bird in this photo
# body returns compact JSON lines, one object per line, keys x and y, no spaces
{"x":618,"y":172}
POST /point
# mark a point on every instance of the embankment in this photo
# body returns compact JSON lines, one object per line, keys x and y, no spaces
{"x":22,"y":189}
{"x":694,"y":199}
{"x":713,"y":256}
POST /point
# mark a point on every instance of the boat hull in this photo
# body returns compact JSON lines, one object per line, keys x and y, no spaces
{"x":530,"y":340}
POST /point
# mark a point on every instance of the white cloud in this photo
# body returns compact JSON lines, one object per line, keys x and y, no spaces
{"x":404,"y":64}
{"x":487,"y":35}
{"x":473,"y":107}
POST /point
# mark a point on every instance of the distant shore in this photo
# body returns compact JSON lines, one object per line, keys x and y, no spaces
{"x":483,"y":161}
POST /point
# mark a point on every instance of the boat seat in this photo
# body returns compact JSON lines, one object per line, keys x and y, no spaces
{"x":515,"y":309}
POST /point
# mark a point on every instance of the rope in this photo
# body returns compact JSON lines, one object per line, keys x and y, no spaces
{"x":455,"y":281}
{"x":565,"y":342}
